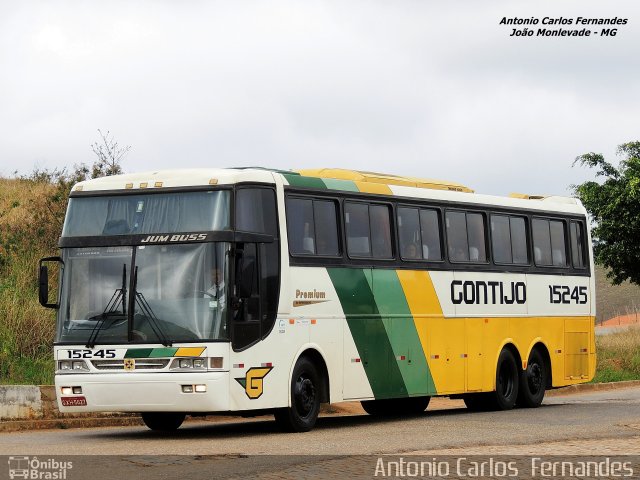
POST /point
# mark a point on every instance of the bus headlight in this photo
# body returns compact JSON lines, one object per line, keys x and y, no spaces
{"x":189,"y":364}
{"x":72,"y":366}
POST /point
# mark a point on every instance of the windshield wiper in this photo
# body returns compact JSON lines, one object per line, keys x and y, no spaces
{"x":119,"y":296}
{"x":146,"y":310}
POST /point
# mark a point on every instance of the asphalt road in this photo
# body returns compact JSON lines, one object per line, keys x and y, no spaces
{"x":607,"y":421}
{"x":606,"y":414}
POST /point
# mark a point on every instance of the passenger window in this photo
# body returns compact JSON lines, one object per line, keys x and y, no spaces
{"x":549,"y":248}
{"x":409,"y":233}
{"x":519,"y":242}
{"x":558,"y":244}
{"x":430,"y":229}
{"x":509,"y":239}
{"x":368,"y":229}
{"x":457,"y":237}
{"x":357,"y":229}
{"x":380,"y":231}
{"x":501,"y":239}
{"x":326,"y":228}
{"x":312,"y":227}
{"x":466,"y":237}
{"x":577,"y":244}
{"x":300,"y":226}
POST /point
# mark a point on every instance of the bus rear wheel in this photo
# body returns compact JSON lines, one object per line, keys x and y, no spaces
{"x":396,"y":406}
{"x":533,"y":381}
{"x":507,"y":383}
{"x":301,"y":416}
{"x":163,"y":422}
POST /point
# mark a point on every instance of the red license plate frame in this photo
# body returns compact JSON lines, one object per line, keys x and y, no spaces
{"x":73,"y":401}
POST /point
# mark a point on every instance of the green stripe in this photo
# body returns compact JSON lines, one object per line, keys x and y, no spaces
{"x":163,"y":352}
{"x":368,"y":331}
{"x":346,"y":185}
{"x":401,"y":330}
{"x":150,"y":352}
{"x":301,"y":181}
{"x":138,"y":352}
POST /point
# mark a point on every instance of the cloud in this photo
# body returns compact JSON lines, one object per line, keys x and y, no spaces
{"x":424,"y":89}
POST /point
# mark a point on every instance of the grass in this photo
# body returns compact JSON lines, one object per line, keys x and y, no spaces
{"x":618,"y":356}
{"x":26,"y":329}
{"x":614,"y":300}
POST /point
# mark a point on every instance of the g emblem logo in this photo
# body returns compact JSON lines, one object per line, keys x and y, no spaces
{"x":253,"y":382}
{"x":129,"y":364}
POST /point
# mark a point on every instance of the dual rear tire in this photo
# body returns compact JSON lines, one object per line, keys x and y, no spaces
{"x":514,"y":386}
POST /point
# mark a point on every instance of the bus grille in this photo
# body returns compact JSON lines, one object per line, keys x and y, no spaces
{"x":141,"y":364}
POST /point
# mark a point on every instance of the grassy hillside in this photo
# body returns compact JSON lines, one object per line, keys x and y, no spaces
{"x":614,"y":300}
{"x":28,"y":231}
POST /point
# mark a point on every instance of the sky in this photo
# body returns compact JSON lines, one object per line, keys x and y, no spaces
{"x":432,"y":89}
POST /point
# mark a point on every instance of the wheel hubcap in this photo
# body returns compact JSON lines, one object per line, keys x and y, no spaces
{"x":534,"y":378}
{"x":305,"y":396}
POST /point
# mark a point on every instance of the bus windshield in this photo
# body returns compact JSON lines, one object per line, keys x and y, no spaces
{"x":147,"y":213}
{"x":144,"y":294}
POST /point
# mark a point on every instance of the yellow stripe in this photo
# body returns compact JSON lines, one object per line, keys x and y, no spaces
{"x":467,"y":348}
{"x":189,"y":352}
{"x":373,"y":188}
{"x":433,"y":329}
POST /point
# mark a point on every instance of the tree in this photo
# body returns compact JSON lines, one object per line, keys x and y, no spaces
{"x":614,"y":205}
{"x":109,"y":154}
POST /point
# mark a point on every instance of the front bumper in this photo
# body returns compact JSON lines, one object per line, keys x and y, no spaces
{"x":146,"y":392}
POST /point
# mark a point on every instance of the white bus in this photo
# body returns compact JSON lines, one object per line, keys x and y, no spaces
{"x":190,"y":292}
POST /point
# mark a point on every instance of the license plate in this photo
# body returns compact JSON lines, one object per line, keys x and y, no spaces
{"x":74,"y":401}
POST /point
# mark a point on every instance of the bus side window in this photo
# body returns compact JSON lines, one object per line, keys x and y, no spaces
{"x":430,"y":230}
{"x":509,"y":240}
{"x":549,"y":244}
{"x":300,"y":226}
{"x":475,"y":232}
{"x":409,"y":233}
{"x":380,"y":231}
{"x":357,"y":229}
{"x":577,"y":244}
{"x":312,"y":227}
{"x":558,"y":244}
{"x":457,"y":242}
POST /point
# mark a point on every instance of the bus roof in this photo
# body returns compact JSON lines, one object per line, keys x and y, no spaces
{"x":384,"y":178}
{"x":328,"y":179}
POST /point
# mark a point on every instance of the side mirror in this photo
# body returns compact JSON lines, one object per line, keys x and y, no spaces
{"x":43,"y":282}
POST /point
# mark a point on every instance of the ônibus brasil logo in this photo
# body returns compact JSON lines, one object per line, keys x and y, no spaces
{"x":35,"y":468}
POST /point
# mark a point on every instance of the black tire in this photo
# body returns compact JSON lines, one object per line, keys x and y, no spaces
{"x":533,"y":381}
{"x":395,"y":407}
{"x":507,"y":383}
{"x":413,"y":405}
{"x":476,"y":402}
{"x":305,"y":399}
{"x":379,"y":408}
{"x":163,"y":422}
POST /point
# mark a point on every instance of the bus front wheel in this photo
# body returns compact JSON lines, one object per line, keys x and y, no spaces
{"x":301,"y":416}
{"x":163,"y":422}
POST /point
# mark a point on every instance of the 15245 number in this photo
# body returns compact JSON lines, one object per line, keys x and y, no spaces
{"x":567,"y":295}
